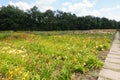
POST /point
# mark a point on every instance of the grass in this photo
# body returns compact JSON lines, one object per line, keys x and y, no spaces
{"x":5,"y":34}
{"x":26,"y":56}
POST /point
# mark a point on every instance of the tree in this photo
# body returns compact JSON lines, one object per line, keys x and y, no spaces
{"x":12,"y":18}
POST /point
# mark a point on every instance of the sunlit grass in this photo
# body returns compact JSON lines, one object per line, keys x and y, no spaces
{"x":50,"y":57}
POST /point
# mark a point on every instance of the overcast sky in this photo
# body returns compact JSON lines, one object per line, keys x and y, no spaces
{"x":101,"y":8}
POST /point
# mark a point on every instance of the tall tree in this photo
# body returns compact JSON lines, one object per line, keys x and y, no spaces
{"x":12,"y":18}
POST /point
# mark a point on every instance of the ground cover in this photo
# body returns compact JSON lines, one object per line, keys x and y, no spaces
{"x":25,"y":56}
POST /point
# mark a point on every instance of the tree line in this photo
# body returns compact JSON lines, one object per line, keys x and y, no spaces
{"x":13,"y":18}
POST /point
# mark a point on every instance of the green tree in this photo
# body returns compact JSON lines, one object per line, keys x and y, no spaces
{"x":11,"y":18}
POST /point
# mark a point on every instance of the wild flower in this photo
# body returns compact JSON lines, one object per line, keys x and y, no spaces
{"x":17,"y":72}
{"x":75,"y":59}
{"x":35,"y":56}
{"x":6,"y":48}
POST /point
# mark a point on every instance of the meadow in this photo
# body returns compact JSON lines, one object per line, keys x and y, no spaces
{"x":51,"y":55}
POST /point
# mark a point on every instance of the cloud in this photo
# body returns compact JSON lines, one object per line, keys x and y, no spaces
{"x":110,"y":9}
{"x":43,"y":5}
{"x":80,"y":8}
{"x":86,"y":7}
{"x":111,"y":13}
{"x":66,"y":3}
{"x":21,"y":5}
{"x":44,"y":2}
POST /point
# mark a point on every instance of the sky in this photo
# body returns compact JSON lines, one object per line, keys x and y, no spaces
{"x":99,"y":8}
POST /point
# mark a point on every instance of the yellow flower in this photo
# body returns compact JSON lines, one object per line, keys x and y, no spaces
{"x":26,"y":74}
{"x":75,"y":60}
{"x":20,"y":72}
{"x":10,"y":72}
{"x":23,"y":78}
{"x":16,"y":69}
{"x":49,"y":63}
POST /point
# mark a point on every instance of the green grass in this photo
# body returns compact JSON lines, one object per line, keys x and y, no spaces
{"x":5,"y":34}
{"x":50,"y":57}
